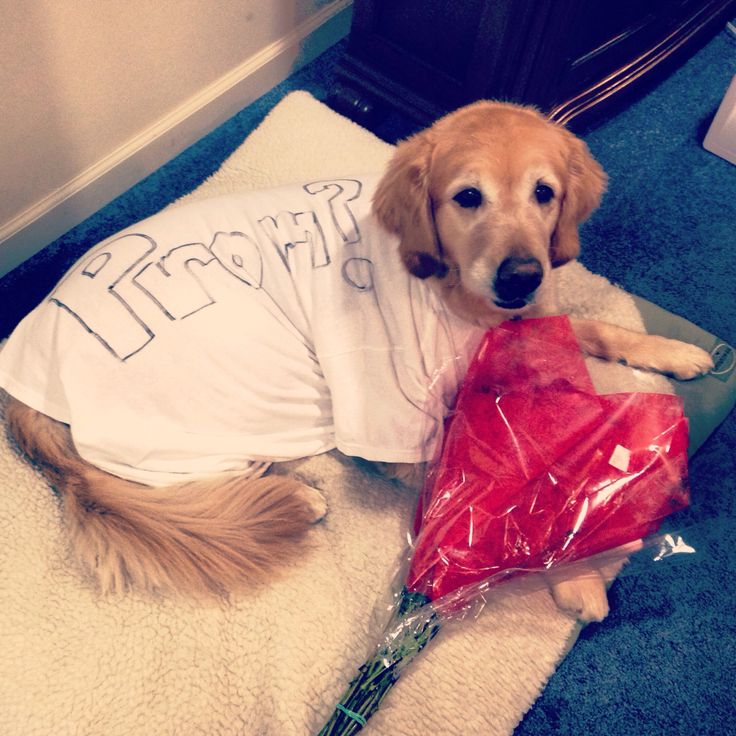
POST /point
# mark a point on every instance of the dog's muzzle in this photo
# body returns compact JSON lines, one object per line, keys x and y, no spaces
{"x":516,"y":281}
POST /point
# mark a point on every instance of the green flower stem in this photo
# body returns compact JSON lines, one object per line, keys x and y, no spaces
{"x":407,"y":636}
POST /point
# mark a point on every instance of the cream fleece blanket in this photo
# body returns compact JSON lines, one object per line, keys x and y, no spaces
{"x":272,"y":663}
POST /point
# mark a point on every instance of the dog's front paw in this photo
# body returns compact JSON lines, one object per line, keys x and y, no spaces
{"x":685,"y":361}
{"x":583,"y":596}
{"x":316,"y":503}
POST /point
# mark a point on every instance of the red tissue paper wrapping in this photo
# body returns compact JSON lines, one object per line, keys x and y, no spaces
{"x":536,"y":469}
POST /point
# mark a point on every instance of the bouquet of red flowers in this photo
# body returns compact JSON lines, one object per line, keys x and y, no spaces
{"x":536,"y":470}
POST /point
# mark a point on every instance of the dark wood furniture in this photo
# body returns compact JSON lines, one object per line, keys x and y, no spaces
{"x":577,"y":60}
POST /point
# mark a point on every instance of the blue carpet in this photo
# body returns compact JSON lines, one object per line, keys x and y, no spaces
{"x":664,"y":661}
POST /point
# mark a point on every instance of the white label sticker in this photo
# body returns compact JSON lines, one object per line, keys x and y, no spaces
{"x":620,"y":458}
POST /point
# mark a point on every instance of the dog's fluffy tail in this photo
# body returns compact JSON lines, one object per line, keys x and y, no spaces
{"x":200,"y":538}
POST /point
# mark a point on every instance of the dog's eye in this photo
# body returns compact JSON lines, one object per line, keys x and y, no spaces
{"x":470,"y":198}
{"x":544,"y":193}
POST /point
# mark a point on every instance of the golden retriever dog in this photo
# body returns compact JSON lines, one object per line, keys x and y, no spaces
{"x":481,"y":206}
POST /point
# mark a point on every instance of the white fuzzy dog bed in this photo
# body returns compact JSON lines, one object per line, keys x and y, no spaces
{"x":275,"y":662}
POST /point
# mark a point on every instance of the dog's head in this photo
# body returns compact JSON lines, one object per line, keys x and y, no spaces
{"x":485,"y":203}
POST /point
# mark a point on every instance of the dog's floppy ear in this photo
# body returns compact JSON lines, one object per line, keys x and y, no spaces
{"x":585,"y":186}
{"x":402,"y":205}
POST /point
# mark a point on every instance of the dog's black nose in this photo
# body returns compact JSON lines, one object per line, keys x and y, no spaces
{"x":517,"y":278}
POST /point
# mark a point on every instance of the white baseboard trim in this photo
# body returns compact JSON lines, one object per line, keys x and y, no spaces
{"x":33,"y":229}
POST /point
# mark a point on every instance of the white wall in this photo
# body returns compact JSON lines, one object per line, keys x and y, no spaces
{"x":99,"y":93}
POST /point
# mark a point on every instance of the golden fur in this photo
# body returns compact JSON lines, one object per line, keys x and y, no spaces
{"x":201,"y":538}
{"x":505,"y":151}
{"x":216,"y":536}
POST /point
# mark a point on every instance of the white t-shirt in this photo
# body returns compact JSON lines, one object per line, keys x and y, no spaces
{"x":251,"y":327}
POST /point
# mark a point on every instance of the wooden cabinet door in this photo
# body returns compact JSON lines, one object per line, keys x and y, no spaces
{"x":572,"y":58}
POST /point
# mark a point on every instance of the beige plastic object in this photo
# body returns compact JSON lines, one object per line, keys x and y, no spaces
{"x":721,"y":136}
